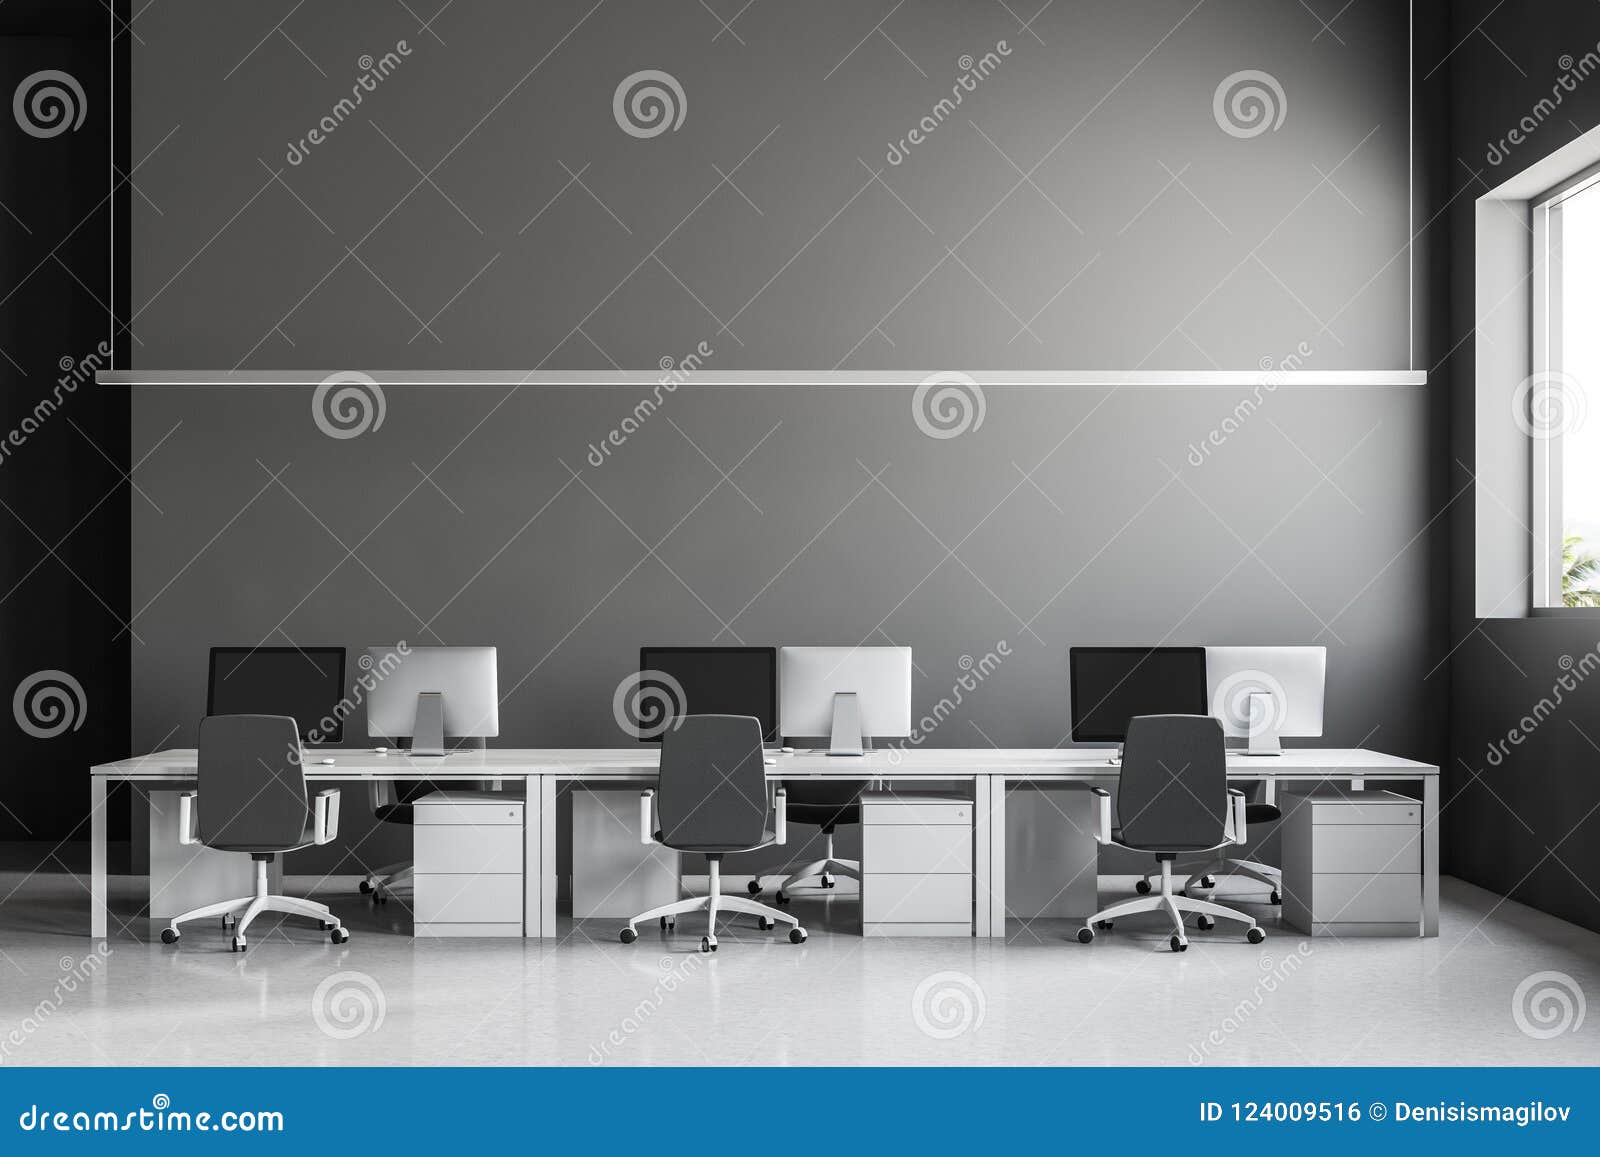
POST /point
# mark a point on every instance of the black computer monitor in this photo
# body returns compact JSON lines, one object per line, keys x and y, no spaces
{"x":305,"y":683}
{"x":720,"y":681}
{"x":1110,"y":685}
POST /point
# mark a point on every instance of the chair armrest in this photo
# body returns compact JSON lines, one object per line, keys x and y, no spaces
{"x":325,"y":823}
{"x":780,"y":816}
{"x":188,"y":818}
{"x":1102,"y":819}
{"x":1234,"y":828}
{"x":647,"y":830}
{"x":380,"y":793}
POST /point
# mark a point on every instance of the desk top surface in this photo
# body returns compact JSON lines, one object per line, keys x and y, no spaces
{"x":599,"y":763}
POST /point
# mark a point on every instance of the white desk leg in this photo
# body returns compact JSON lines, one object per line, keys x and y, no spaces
{"x":531,"y":857}
{"x":1358,"y":785}
{"x":997,"y":856}
{"x":1430,"y":856}
{"x":982,"y":831}
{"x":97,"y":857}
{"x":547,"y":855}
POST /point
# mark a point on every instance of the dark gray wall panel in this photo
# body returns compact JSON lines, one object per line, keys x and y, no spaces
{"x":1147,"y":236}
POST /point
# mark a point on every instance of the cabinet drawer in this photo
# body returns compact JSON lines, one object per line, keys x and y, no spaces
{"x":471,"y":814}
{"x":925,"y":814}
{"x":1385,"y":808}
{"x":896,"y":848}
{"x":1359,"y":899}
{"x":444,"y":849}
{"x":916,"y":899}
{"x":1375,"y":848}
{"x":467,"y":899}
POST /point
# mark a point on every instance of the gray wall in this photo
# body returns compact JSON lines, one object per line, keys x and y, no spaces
{"x":1074,"y":515}
{"x":1147,"y":236}
{"x":1525,"y":827}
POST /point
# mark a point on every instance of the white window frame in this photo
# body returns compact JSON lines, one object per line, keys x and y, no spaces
{"x":1545,"y":350}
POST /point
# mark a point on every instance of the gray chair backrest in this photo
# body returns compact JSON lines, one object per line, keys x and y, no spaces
{"x":713,"y":786}
{"x":1173,"y":790}
{"x":252,"y":783}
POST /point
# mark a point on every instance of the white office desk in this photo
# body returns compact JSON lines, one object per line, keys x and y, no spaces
{"x":989,"y":772}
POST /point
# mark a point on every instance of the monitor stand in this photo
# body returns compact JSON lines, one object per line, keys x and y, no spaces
{"x":427,"y":733}
{"x":1263,"y":739}
{"x":846,"y":738}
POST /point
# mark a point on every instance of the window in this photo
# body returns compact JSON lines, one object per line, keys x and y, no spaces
{"x":1559,"y":404}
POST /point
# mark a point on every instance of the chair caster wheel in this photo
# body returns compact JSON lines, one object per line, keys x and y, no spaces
{"x":366,"y":886}
{"x":753,"y":887}
{"x":764,"y":924}
{"x":1086,"y":935}
{"x":1205,"y":923}
{"x":1256,"y":935}
{"x":797,"y":936}
{"x":339,"y":935}
{"x":169,"y":936}
{"x":1104,"y":925}
{"x":783,"y":901}
{"x":1179,"y":945}
{"x":1142,"y":887}
{"x":707,"y":944}
{"x":228,"y":921}
{"x":828,"y":881}
{"x":629,"y":936}
{"x":1276,"y":897}
{"x":237,"y":944}
{"x":667,"y":924}
{"x":382,"y":898}
{"x":1208,"y":881}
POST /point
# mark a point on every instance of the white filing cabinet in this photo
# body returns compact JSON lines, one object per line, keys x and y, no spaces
{"x":916,"y":864}
{"x":467,"y":848}
{"x":613,"y":874}
{"x":1352,"y":863}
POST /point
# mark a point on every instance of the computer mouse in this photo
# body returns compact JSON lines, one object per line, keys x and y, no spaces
{"x":787,"y":750}
{"x":329,"y":761}
{"x":380,"y":751}
{"x":770,"y":762}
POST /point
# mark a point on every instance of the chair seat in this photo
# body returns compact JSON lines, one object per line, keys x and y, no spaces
{"x":307,"y":838}
{"x":767,"y":837}
{"x":1169,"y":846}
{"x":824,"y":815}
{"x":1262,"y":813}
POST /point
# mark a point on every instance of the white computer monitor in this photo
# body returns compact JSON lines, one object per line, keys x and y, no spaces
{"x":1266,"y":693}
{"x":846,"y":693}
{"x":429,"y":693}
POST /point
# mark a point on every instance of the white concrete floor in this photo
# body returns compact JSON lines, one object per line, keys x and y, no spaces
{"x":1041,"y":998}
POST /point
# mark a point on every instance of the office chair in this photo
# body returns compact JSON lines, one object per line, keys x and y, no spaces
{"x":252,"y":799}
{"x":712,"y":799}
{"x":825,"y":804}
{"x":1172,"y":798}
{"x":1205,"y":873}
